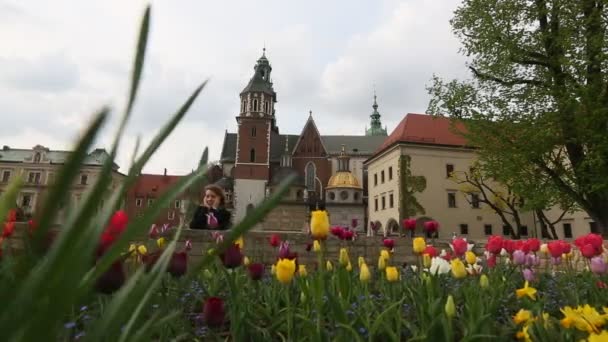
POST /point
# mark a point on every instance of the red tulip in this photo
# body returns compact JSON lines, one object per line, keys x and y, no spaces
{"x":555,"y":248}
{"x":533,"y":244}
{"x":431,"y":251}
{"x":9,"y":229}
{"x":11,"y":215}
{"x":153,"y":233}
{"x":492,"y":261}
{"x":347,"y":234}
{"x":354,"y":223}
{"x":275,"y":240}
{"x":337,"y":231}
{"x":522,"y":245}
{"x":566,"y":247}
{"x":460,"y":246}
{"x":588,"y":251}
{"x":256,"y":271}
{"x":112,"y":279}
{"x":178,"y":265}
{"x":118,"y":222}
{"x":389,"y":243}
{"x":601,"y":285}
{"x":494,"y":244}
{"x":232,"y":257}
{"x":431,"y":226}
{"x":213,"y":312}
{"x":188,"y":245}
{"x":509,"y":246}
{"x":409,"y":224}
{"x":593,"y":240}
{"x":447,"y":256}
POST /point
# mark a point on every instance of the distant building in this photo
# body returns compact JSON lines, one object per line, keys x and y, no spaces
{"x":39,"y":168}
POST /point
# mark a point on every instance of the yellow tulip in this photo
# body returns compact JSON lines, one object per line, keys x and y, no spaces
{"x":329,"y":266}
{"x":484,"y":282}
{"x":450,"y":307}
{"x":239,"y":242}
{"x":392,"y":274}
{"x":344,"y":259}
{"x":364,"y":274}
{"x":141,"y":249}
{"x":382,"y":262}
{"x":544,"y":248}
{"x":360,"y":261}
{"x":419,"y":245}
{"x":161,"y":243}
{"x":458,"y":269}
{"x":285,"y":270}
{"x":349,"y":267}
{"x":385,"y":254}
{"x":470,"y":257}
{"x":246,"y":261}
{"x":302,"y":270}
{"x":319,"y":224}
{"x":426,"y":260}
{"x":316,"y":246}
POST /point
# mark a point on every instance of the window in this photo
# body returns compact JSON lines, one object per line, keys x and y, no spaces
{"x":375,"y":204}
{"x":34,"y":177}
{"x":487,"y":229}
{"x":266,"y":107}
{"x":255,"y":105}
{"x":177,"y":204}
{"x":253,"y":131}
{"x":383,"y":202}
{"x":593,"y":228}
{"x":390,"y":173}
{"x":332,"y":195}
{"x":6,"y":176}
{"x":150,"y":201}
{"x":343,"y":195}
{"x":382,"y":176}
{"x":464,"y":229}
{"x":390,"y":201}
{"x":37,"y":158}
{"x":567,"y":230}
{"x":171,"y":215}
{"x":451,"y":200}
{"x":138,"y":202}
{"x":375,"y":179}
{"x":243,"y":106}
{"x":475,"y":201}
{"x":356,"y":196}
{"x":523,"y":231}
{"x":26,"y":200}
{"x":310,"y":176}
{"x":505,"y":230}
{"x":449,"y":168}
{"x":83,"y":179}
{"x":252,"y":155}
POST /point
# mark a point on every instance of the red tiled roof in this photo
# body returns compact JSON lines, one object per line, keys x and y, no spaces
{"x":153,"y":185}
{"x":426,"y":129}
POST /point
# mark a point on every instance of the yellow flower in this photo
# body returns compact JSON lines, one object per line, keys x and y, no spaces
{"x":526,"y":291}
{"x":484,"y":282}
{"x":458,"y":269}
{"x":419,"y":245}
{"x":319,"y":224}
{"x":544,"y":248}
{"x":385,"y":254}
{"x":344,"y":259}
{"x":239,"y":242}
{"x":583,"y":318}
{"x":523,"y":334}
{"x":601,"y":337}
{"x":392,"y":274}
{"x":382,"y":262}
{"x":364,"y":274}
{"x":470,"y":257}
{"x":426,"y":260}
{"x":361,"y":261}
{"x":522,"y":316}
{"x":316,"y":246}
{"x":329,"y":266}
{"x":246,"y":261}
{"x":285,"y":270}
{"x":132,"y":248}
{"x":302,"y":270}
{"x":450,"y":307}
{"x":141,"y":249}
{"x":349,"y":267}
{"x":161,"y":243}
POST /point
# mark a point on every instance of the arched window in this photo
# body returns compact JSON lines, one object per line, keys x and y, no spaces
{"x":37,"y":157}
{"x":267,"y":107}
{"x":311,"y":174}
{"x":244,"y":106}
{"x":249,"y":208}
{"x":255,"y":105}
{"x":252,"y":156}
{"x":253,"y":131}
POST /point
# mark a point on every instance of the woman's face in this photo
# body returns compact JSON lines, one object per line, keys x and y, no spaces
{"x":211,"y":199}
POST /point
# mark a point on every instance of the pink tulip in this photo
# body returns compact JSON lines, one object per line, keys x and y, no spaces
{"x":597,"y":265}
{"x":431,"y":226}
{"x":409,"y":224}
{"x":459,"y":246}
{"x":519,"y":257}
{"x":529,"y":275}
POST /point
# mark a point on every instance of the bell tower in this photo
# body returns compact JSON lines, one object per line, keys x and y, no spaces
{"x":256,"y":123}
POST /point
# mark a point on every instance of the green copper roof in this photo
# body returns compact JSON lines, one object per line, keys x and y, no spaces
{"x":376,"y":125}
{"x":261,"y":82}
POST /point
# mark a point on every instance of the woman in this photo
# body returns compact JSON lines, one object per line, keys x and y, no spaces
{"x":211,"y":214}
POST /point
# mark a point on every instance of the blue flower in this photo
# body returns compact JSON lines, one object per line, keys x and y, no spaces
{"x":70,"y":325}
{"x":79,"y":335}
{"x":84,"y":308}
{"x":362,"y":331}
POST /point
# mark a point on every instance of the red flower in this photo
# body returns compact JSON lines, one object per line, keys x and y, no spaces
{"x":374,"y":226}
{"x":9,"y":229}
{"x":389,"y":243}
{"x":556,"y":248}
{"x":118,"y":223}
{"x":494,"y":244}
{"x":509,"y":246}
{"x":337,"y":231}
{"x":522,"y":245}
{"x":593,"y":240}
{"x":112,"y":279}
{"x":588,"y":251}
{"x":492,"y":261}
{"x":566,"y":247}
{"x":11,"y":216}
{"x":448,"y":256}
{"x":348,"y":234}
{"x":533,"y":244}
{"x":354,"y":223}
{"x":178,"y":265}
{"x":232,"y":257}
{"x":309,"y":246}
{"x":601,"y":285}
{"x":256,"y":271}
{"x":431,"y":226}
{"x":275,"y":240}
{"x":459,"y":246}
{"x":213,"y":312}
{"x":409,"y":224}
{"x":431,"y":251}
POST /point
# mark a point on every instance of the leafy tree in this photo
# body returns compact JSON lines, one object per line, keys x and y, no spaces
{"x":538,"y":99}
{"x":410,"y":185}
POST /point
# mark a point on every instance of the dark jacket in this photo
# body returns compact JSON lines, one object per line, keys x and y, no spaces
{"x":201,"y":218}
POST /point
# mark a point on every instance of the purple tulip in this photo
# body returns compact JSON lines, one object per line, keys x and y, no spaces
{"x":284,"y":250}
{"x":532,"y":260}
{"x":556,"y":261}
{"x":597,"y":265}
{"x":529,"y":275}
{"x":519,"y":257}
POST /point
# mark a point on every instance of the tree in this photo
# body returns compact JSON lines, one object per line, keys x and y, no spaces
{"x":539,"y":93}
{"x":410,"y":185}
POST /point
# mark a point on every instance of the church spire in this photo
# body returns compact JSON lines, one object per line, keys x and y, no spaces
{"x":376,"y":125}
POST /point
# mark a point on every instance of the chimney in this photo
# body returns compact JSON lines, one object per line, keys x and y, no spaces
{"x":165,"y":171}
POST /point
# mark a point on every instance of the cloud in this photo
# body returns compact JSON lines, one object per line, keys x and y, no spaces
{"x":50,"y":73}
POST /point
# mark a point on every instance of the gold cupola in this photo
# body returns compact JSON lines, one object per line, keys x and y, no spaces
{"x":343,"y":178}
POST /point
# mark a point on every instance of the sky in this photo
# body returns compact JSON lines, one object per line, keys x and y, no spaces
{"x":61,"y":61}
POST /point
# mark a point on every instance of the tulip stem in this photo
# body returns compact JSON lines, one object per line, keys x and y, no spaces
{"x":289,"y":314}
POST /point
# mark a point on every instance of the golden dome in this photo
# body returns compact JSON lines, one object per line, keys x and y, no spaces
{"x":343,"y":179}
